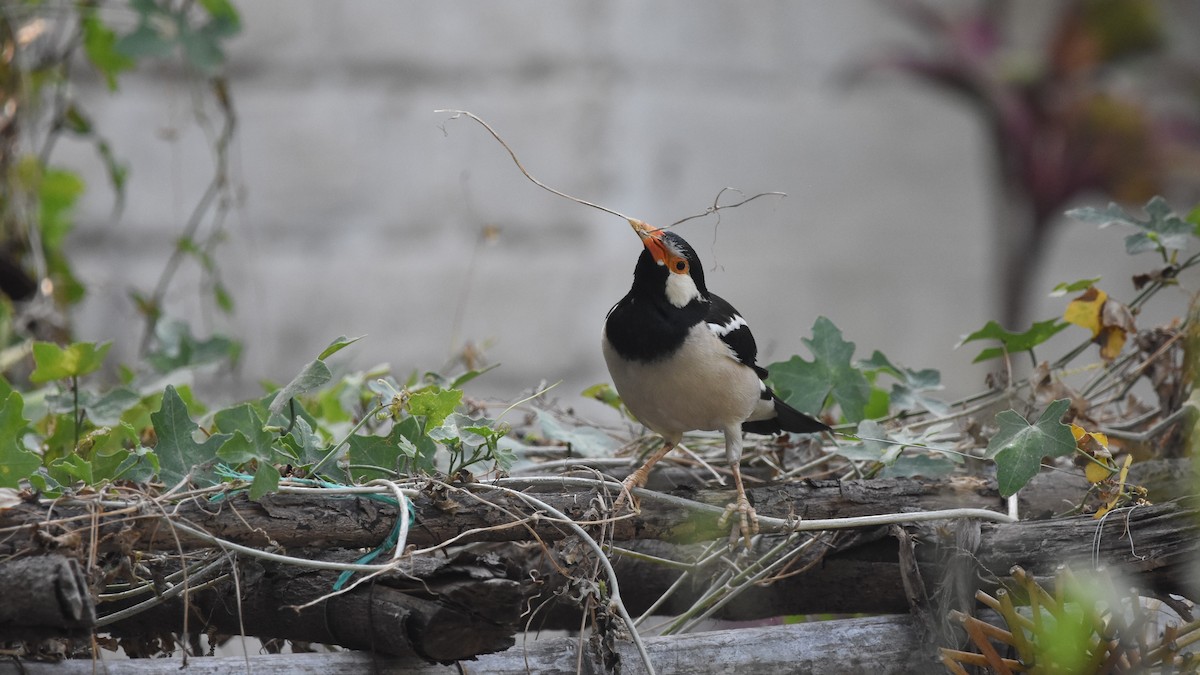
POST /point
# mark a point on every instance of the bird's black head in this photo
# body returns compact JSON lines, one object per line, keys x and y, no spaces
{"x":669,"y":269}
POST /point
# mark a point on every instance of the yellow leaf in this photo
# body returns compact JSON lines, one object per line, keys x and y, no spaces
{"x":1086,"y":310}
{"x":1078,"y":432}
{"x":1096,"y":472}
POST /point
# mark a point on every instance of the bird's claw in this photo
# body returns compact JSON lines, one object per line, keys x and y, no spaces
{"x":747,"y":525}
{"x":627,"y":495}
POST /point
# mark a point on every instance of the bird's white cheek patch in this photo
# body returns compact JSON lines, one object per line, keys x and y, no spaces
{"x":681,"y":290}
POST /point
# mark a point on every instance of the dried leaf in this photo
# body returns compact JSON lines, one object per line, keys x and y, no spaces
{"x":1119,"y":491}
{"x":1085,"y":310}
{"x":9,"y":497}
{"x":1110,"y":321}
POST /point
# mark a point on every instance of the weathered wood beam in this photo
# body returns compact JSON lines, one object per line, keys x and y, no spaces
{"x":877,"y":645}
{"x":315,"y":521}
{"x":1152,"y":547}
{"x":434,"y":609}
{"x":44,"y":596}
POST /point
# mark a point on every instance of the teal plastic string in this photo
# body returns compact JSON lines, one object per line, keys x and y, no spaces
{"x":224,"y":471}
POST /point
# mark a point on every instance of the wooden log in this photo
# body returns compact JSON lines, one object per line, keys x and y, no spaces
{"x":434,"y":609}
{"x":860,"y":578}
{"x":877,"y":645}
{"x":1152,"y":547}
{"x":44,"y":596}
{"x":291,"y":521}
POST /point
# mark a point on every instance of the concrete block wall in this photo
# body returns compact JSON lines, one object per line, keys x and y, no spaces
{"x":361,"y":207}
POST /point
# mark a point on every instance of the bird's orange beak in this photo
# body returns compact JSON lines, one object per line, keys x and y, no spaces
{"x":651,"y":239}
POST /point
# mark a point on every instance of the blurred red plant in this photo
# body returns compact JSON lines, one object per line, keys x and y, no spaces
{"x":1103,"y":107}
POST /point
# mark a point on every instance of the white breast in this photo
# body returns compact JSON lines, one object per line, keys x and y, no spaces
{"x":699,"y":387}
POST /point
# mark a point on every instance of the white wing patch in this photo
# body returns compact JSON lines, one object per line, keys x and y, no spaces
{"x":721,"y":330}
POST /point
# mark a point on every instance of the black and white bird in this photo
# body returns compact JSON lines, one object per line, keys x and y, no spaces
{"x":683,"y":359}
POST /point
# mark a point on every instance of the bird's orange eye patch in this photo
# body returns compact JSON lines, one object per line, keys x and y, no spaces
{"x":679,"y":265}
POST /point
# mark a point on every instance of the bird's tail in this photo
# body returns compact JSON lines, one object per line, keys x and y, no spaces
{"x":786,"y":418}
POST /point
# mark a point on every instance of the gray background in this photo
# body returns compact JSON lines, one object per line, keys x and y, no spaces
{"x":360,"y":208}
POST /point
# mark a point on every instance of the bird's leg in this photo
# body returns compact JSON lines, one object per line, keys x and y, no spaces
{"x":747,"y":525}
{"x":638,"y":477}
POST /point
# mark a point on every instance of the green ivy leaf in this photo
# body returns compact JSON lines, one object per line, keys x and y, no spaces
{"x":249,"y":440}
{"x":58,"y":193}
{"x":59,"y":440}
{"x":466,"y":377}
{"x":472,"y":432}
{"x":1073,"y":287}
{"x":910,"y":393}
{"x":58,"y":363}
{"x":383,"y":452}
{"x":283,"y":418}
{"x":1193,"y":217}
{"x":72,"y":468}
{"x":222,"y":10}
{"x":338,"y":344}
{"x":108,"y":409}
{"x":878,"y":403}
{"x":315,"y":374}
{"x":178,"y":452}
{"x":1018,"y":447}
{"x":202,"y":50}
{"x":410,"y":439}
{"x":99,"y":44}
{"x":138,"y":466}
{"x":434,"y":404}
{"x":304,"y":444}
{"x":1163,"y":231}
{"x":238,"y":449}
{"x":1013,"y":342}
{"x":104,"y":467}
{"x":113,"y":440}
{"x":914,"y":465}
{"x":175,"y":347}
{"x":805,"y":385}
{"x":155,"y":33}
{"x":15,"y":461}
{"x":872,"y":445}
{"x":404,"y":450}
{"x":504,"y":457}
{"x":584,"y":441}
{"x":604,"y":393}
{"x":266,"y":480}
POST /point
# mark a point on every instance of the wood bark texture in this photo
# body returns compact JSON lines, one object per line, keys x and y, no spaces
{"x":876,"y":645}
{"x":434,"y":609}
{"x":44,"y":596}
{"x":483,"y":594}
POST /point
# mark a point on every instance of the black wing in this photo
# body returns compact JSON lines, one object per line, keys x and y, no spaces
{"x":726,"y":323}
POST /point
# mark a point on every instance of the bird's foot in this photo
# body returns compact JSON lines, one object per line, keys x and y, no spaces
{"x":747,"y":525}
{"x":635,"y":480}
